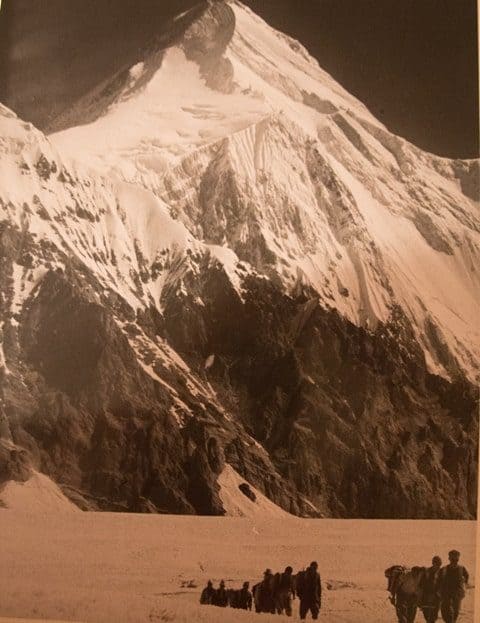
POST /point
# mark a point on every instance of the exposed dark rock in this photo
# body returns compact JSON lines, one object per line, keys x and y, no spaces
{"x":45,"y":168}
{"x":350,"y":419}
{"x":339,"y":408}
{"x":89,"y":416}
{"x":14,"y":463}
{"x":426,"y":228}
{"x":247,"y":491}
{"x":323,"y":106}
{"x":205,"y":42}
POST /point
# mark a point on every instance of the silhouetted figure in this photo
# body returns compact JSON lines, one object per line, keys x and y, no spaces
{"x":430,"y":604}
{"x":310,"y":592}
{"x":285,"y":592}
{"x":221,"y":596}
{"x":244,"y":597}
{"x":264,"y":593}
{"x":208,"y":594}
{"x":453,"y":579}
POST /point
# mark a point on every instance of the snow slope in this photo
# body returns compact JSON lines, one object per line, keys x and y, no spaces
{"x":110,"y":224}
{"x":39,"y":495}
{"x":251,"y":145}
{"x":237,"y":504}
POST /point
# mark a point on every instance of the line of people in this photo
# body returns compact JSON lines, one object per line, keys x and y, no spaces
{"x":223,"y":597}
{"x":433,"y":590}
{"x":274,"y":594}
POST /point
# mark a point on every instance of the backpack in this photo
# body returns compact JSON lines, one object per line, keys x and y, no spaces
{"x":394,"y":575}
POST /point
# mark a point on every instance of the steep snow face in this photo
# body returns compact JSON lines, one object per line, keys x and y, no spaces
{"x":237,"y":504}
{"x":245,"y":140}
{"x":118,"y":230}
{"x":148,"y":127}
{"x":228,"y":70}
{"x":121,"y":234}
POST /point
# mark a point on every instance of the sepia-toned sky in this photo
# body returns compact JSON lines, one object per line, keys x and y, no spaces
{"x":412,"y":62}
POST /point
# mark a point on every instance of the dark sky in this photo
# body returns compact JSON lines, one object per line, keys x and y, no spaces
{"x":412,"y":62}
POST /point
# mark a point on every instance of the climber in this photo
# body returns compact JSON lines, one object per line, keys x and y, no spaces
{"x":453,"y":579}
{"x":208,"y":594}
{"x":310,"y":592}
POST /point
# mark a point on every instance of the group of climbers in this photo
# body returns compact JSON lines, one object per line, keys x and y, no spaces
{"x":223,"y":597}
{"x":434,"y":590}
{"x":274,"y":594}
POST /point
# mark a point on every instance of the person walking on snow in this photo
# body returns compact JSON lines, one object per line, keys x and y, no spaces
{"x":208,"y":593}
{"x":221,"y":596}
{"x":430,"y":605}
{"x":310,"y":592}
{"x":453,"y":579}
{"x":245,"y":597}
{"x":285,"y":592}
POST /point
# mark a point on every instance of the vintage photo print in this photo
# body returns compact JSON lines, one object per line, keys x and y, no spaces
{"x":239,"y":310}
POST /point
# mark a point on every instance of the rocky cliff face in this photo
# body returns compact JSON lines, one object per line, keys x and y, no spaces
{"x":234,"y":262}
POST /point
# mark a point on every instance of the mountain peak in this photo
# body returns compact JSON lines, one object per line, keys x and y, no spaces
{"x":233,"y":106}
{"x":223,"y":256}
{"x":206,"y":40}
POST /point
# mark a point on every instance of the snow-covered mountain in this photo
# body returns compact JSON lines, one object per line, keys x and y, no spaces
{"x":224,"y":256}
{"x":253,"y":147}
